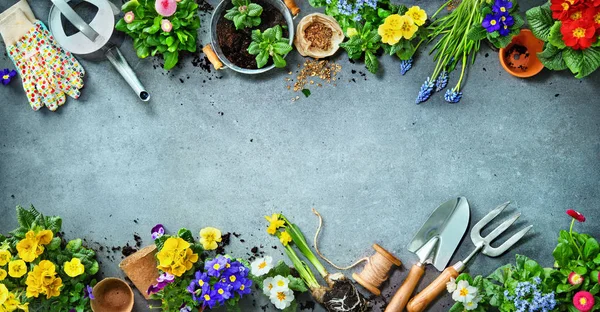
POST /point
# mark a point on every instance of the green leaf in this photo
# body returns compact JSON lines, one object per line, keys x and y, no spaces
{"x":371,"y":62}
{"x":477,"y":32}
{"x":292,"y":308}
{"x":256,"y":35}
{"x":54,"y":224}
{"x":254,"y":48}
{"x":74,"y":245}
{"x":160,"y":242}
{"x":54,"y":244}
{"x":306,"y":92}
{"x":591,"y":62}
{"x":540,"y":21}
{"x":239,"y":21}
{"x":591,"y":248}
{"x":155,"y":26}
{"x":93,"y":269}
{"x":281,"y":48}
{"x":130,"y":6}
{"x":383,"y":13}
{"x":262,"y":58}
{"x":185,"y":234}
{"x":254,"y":10}
{"x":270,"y":34}
{"x":143,"y":51}
{"x":231,"y":13}
{"x":564,"y":288}
{"x":555,"y":37}
{"x":279,"y":33}
{"x":502,"y":41}
{"x":296,"y":284}
{"x":317,"y":3}
{"x":278,"y":60}
{"x":552,"y":58}
{"x":169,"y":41}
{"x":518,"y":21}
{"x":171,"y":59}
{"x":501,"y":274}
{"x":24,"y":217}
{"x":573,"y":59}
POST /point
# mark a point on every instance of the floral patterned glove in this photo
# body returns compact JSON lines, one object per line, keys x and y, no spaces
{"x":47,"y":71}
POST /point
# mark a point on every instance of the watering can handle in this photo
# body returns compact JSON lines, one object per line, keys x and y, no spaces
{"x":75,"y":19}
{"x":212,"y":56}
{"x":291,"y":4}
{"x":120,"y":63}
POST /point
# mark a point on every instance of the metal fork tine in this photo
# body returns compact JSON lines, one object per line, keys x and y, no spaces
{"x":476,"y":230}
{"x":495,"y":252}
{"x":501,"y":228}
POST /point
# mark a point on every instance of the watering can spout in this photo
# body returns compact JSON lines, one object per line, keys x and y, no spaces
{"x":116,"y":58}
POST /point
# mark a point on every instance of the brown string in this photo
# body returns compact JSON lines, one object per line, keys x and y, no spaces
{"x":375,"y":272}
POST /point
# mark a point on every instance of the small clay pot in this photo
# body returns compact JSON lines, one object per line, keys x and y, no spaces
{"x":519,"y":58}
{"x":112,"y":295}
{"x":140,"y":268}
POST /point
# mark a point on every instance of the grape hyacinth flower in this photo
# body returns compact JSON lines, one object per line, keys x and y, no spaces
{"x":452,"y":96}
{"x":425,"y":91}
{"x":158,"y":231}
{"x":405,"y":66}
{"x":442,"y":81}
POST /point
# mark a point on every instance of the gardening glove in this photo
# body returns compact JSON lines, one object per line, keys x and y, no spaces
{"x":47,"y":71}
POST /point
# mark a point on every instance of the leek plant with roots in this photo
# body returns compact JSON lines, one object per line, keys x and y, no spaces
{"x":340,"y":294}
{"x":454,"y":46}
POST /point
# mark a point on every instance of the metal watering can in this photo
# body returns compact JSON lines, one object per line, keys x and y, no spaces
{"x":95,"y":40}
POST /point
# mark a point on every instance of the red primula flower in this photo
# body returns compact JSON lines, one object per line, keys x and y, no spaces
{"x":596,"y":18}
{"x":562,"y":9}
{"x":579,"y":34}
{"x":583,"y":301}
{"x":576,"y":215}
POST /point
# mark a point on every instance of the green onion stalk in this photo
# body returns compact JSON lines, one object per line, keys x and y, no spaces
{"x":454,"y":46}
{"x":340,"y":294}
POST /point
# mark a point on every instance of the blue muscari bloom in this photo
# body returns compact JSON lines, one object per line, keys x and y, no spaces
{"x":452,"y":96}
{"x":442,"y":81}
{"x":405,"y":66}
{"x":425,"y":91}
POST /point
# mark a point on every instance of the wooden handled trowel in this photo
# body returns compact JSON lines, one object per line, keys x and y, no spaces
{"x":435,"y":244}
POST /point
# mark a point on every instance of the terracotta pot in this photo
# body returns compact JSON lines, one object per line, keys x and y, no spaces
{"x":519,"y":58}
{"x":140,"y":268}
{"x":112,"y":295}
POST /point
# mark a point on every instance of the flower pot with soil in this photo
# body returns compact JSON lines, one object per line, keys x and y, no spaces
{"x":112,"y":295}
{"x":230,"y":45}
{"x":519,"y":58}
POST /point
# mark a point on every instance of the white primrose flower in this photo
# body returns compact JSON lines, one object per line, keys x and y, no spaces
{"x":451,"y":285}
{"x":472,"y":305}
{"x":262,"y":266}
{"x":282,"y":298}
{"x":280,"y":283}
{"x":464,"y":292}
{"x":267,"y":286}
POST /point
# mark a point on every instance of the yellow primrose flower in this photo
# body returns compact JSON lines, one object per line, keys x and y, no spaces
{"x":189,"y":259}
{"x":17,"y":268}
{"x":274,"y":223}
{"x":176,"y":257}
{"x":53,"y":290}
{"x":27,"y":249}
{"x":418,"y":15}
{"x":4,"y":257}
{"x":74,"y":267}
{"x":209,"y":237}
{"x":390,"y":29}
{"x":43,"y":280}
{"x":44,"y":237}
{"x":3,"y":274}
{"x":351,"y":32}
{"x":3,"y":293}
{"x":12,"y":304}
{"x":172,"y":246}
{"x":285,"y":238}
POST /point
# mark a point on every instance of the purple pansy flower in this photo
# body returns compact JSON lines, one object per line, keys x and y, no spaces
{"x":502,"y":6}
{"x":491,"y":23}
{"x":215,"y":266}
{"x":158,"y":231}
{"x":7,"y":75}
{"x":88,"y":292}
{"x":165,"y":277}
{"x":163,"y":280}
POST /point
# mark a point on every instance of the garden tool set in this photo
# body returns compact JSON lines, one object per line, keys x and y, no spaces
{"x":435,"y":244}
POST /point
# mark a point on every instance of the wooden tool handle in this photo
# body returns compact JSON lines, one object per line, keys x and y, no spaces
{"x":425,"y":297}
{"x":291,"y":4}
{"x":405,"y":291}
{"x":212,"y":56}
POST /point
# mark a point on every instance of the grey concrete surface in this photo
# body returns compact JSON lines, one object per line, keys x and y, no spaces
{"x":223,"y":149}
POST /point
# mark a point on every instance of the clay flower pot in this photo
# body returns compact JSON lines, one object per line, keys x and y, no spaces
{"x":519,"y":58}
{"x":140,"y":268}
{"x":112,"y":295}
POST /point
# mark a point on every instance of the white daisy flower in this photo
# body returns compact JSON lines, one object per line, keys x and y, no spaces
{"x":464,"y":292}
{"x":451,"y":285}
{"x":267,"y":286}
{"x":262,"y":266}
{"x":280,"y":283}
{"x":282,"y":298}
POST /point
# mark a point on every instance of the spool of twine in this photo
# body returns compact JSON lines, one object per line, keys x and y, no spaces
{"x":375,"y":272}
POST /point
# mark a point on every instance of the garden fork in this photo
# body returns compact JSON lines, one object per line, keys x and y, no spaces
{"x":482,"y":244}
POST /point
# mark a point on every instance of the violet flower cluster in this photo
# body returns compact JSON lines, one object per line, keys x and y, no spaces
{"x":221,"y":279}
{"x":528,"y":297}
{"x":500,"y":20}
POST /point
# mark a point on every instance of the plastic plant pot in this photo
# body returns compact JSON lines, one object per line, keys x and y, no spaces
{"x":213,"y":50}
{"x":112,"y":295}
{"x":519,"y":58}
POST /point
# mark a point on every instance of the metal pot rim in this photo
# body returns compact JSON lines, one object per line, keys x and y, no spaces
{"x":278,"y":4}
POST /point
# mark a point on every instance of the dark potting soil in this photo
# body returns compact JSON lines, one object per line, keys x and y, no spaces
{"x":516,"y":56}
{"x":234,"y":43}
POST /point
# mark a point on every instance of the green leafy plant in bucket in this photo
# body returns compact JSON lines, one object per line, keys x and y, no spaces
{"x":269,"y":43}
{"x":244,"y":14}
{"x":157,"y":29}
{"x":571,"y":41}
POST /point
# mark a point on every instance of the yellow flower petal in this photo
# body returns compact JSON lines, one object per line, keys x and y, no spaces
{"x":418,"y":15}
{"x":209,"y":237}
{"x":285,"y":238}
{"x":44,"y":237}
{"x":4,"y":257}
{"x":74,"y":267}
{"x":17,"y":268}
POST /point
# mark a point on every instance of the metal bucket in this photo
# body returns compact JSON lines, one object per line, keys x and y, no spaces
{"x":213,"y":50}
